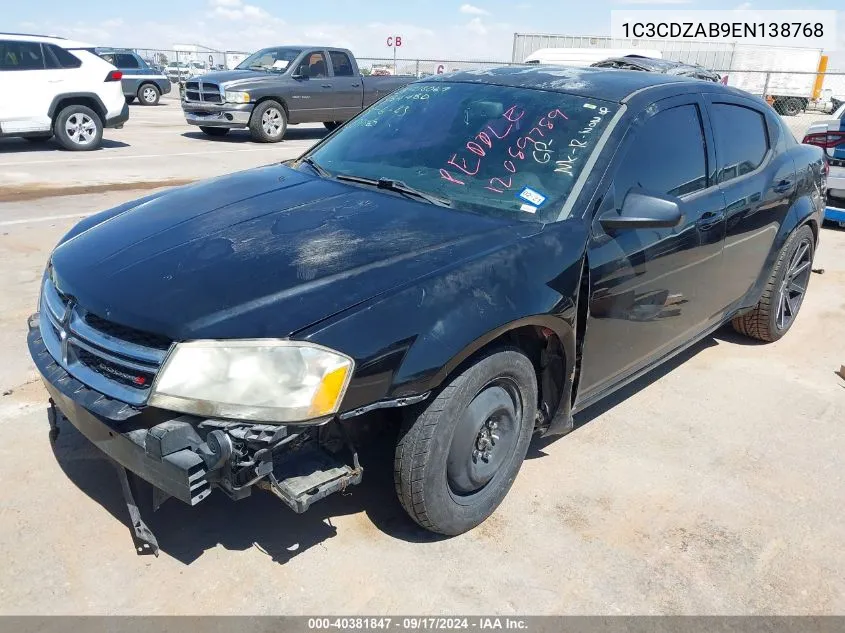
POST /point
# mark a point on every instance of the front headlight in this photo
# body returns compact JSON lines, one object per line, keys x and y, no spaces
{"x":237,"y":97}
{"x":267,"y":380}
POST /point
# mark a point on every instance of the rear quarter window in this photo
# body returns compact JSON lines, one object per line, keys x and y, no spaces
{"x":58,"y":57}
{"x":742,"y":139}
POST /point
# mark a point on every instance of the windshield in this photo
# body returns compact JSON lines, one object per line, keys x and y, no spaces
{"x":505,"y":151}
{"x":275,"y":59}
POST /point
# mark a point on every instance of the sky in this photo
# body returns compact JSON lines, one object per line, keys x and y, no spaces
{"x":431,"y":29}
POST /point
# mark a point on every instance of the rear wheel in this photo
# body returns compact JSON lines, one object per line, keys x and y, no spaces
{"x":148,"y":95}
{"x":332,"y":125}
{"x":458,"y":456}
{"x":78,"y":128}
{"x":268,"y":122}
{"x":130,"y":100}
{"x":777,"y":309}
{"x":215,"y":131}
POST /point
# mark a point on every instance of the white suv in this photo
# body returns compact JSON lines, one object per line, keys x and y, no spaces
{"x":50,"y":86}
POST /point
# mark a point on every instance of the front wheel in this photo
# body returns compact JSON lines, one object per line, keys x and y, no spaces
{"x":777,"y":309}
{"x":457,"y":458}
{"x":148,"y":95}
{"x":268,"y":122}
{"x":332,"y":125}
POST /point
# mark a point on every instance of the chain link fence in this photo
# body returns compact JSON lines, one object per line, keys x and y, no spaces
{"x":820,"y":93}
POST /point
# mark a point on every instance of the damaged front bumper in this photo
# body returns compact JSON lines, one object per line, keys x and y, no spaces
{"x":186,"y":457}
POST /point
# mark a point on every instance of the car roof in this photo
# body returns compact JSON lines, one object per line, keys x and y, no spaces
{"x":600,"y":83}
{"x":44,"y":39}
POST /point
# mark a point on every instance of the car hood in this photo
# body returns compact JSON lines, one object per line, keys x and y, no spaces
{"x":262,"y":253}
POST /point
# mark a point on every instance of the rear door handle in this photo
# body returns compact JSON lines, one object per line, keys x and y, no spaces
{"x":710,"y":219}
{"x":327,"y":85}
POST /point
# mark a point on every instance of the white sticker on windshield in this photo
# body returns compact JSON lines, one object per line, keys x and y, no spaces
{"x":534,"y":197}
{"x":281,"y":63}
{"x":528,"y":208}
{"x":589,"y":106}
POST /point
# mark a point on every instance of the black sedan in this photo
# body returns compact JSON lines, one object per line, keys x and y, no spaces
{"x":480,"y":254}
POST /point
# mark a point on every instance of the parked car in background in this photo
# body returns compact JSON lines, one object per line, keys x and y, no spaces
{"x":177,"y":71}
{"x":830,"y":136}
{"x":278,"y":86}
{"x":139,"y":81}
{"x":665,"y":66}
{"x":197,"y":68}
{"x":478,"y":257}
{"x":53,"y":87}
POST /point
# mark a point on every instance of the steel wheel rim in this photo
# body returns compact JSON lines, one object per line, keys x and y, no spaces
{"x":271,"y":121}
{"x":149,"y":95}
{"x":81,"y":128}
{"x":484,"y":439}
{"x":794,"y":285}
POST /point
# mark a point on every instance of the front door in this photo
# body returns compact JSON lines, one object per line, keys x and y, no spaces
{"x":312,"y":97}
{"x":652,"y":289}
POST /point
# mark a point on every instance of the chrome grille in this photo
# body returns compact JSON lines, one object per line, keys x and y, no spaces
{"x":203,"y":92}
{"x":115,"y":360}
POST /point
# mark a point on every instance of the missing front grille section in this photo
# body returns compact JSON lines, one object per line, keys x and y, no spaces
{"x":128,"y":334}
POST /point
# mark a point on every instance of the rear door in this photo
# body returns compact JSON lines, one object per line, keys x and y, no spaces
{"x":27,"y":87}
{"x":653,"y":289}
{"x":132,"y":70}
{"x":346,"y":86}
{"x":757,"y":178}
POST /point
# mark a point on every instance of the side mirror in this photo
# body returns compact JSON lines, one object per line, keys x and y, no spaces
{"x":642,"y":211}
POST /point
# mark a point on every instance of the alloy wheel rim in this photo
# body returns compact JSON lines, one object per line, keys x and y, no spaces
{"x":80,"y":128}
{"x":149,"y":95}
{"x":271,"y":121}
{"x":794,"y":285}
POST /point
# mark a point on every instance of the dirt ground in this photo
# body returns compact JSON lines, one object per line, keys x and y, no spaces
{"x":714,"y":485}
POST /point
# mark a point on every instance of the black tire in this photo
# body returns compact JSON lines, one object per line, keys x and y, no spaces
{"x":771,"y":318}
{"x":788,"y":106}
{"x":148,"y":94}
{"x":332,"y":125}
{"x":268,"y":122}
{"x":215,"y":131}
{"x":441,"y":481}
{"x":88,"y":119}
{"x":130,"y":100}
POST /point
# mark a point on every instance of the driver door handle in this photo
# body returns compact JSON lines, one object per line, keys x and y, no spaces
{"x":710,"y":219}
{"x":327,"y":85}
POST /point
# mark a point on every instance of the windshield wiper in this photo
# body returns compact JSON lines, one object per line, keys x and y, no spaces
{"x":399,"y":187}
{"x":258,"y":67}
{"x":321,"y":171}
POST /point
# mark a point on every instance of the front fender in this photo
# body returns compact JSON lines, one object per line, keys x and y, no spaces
{"x":409,"y":342}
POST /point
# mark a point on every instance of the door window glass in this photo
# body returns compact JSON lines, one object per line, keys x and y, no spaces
{"x":741,"y":139}
{"x":667,"y":156}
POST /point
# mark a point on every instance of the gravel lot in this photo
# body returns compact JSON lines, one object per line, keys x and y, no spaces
{"x":714,"y":485}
